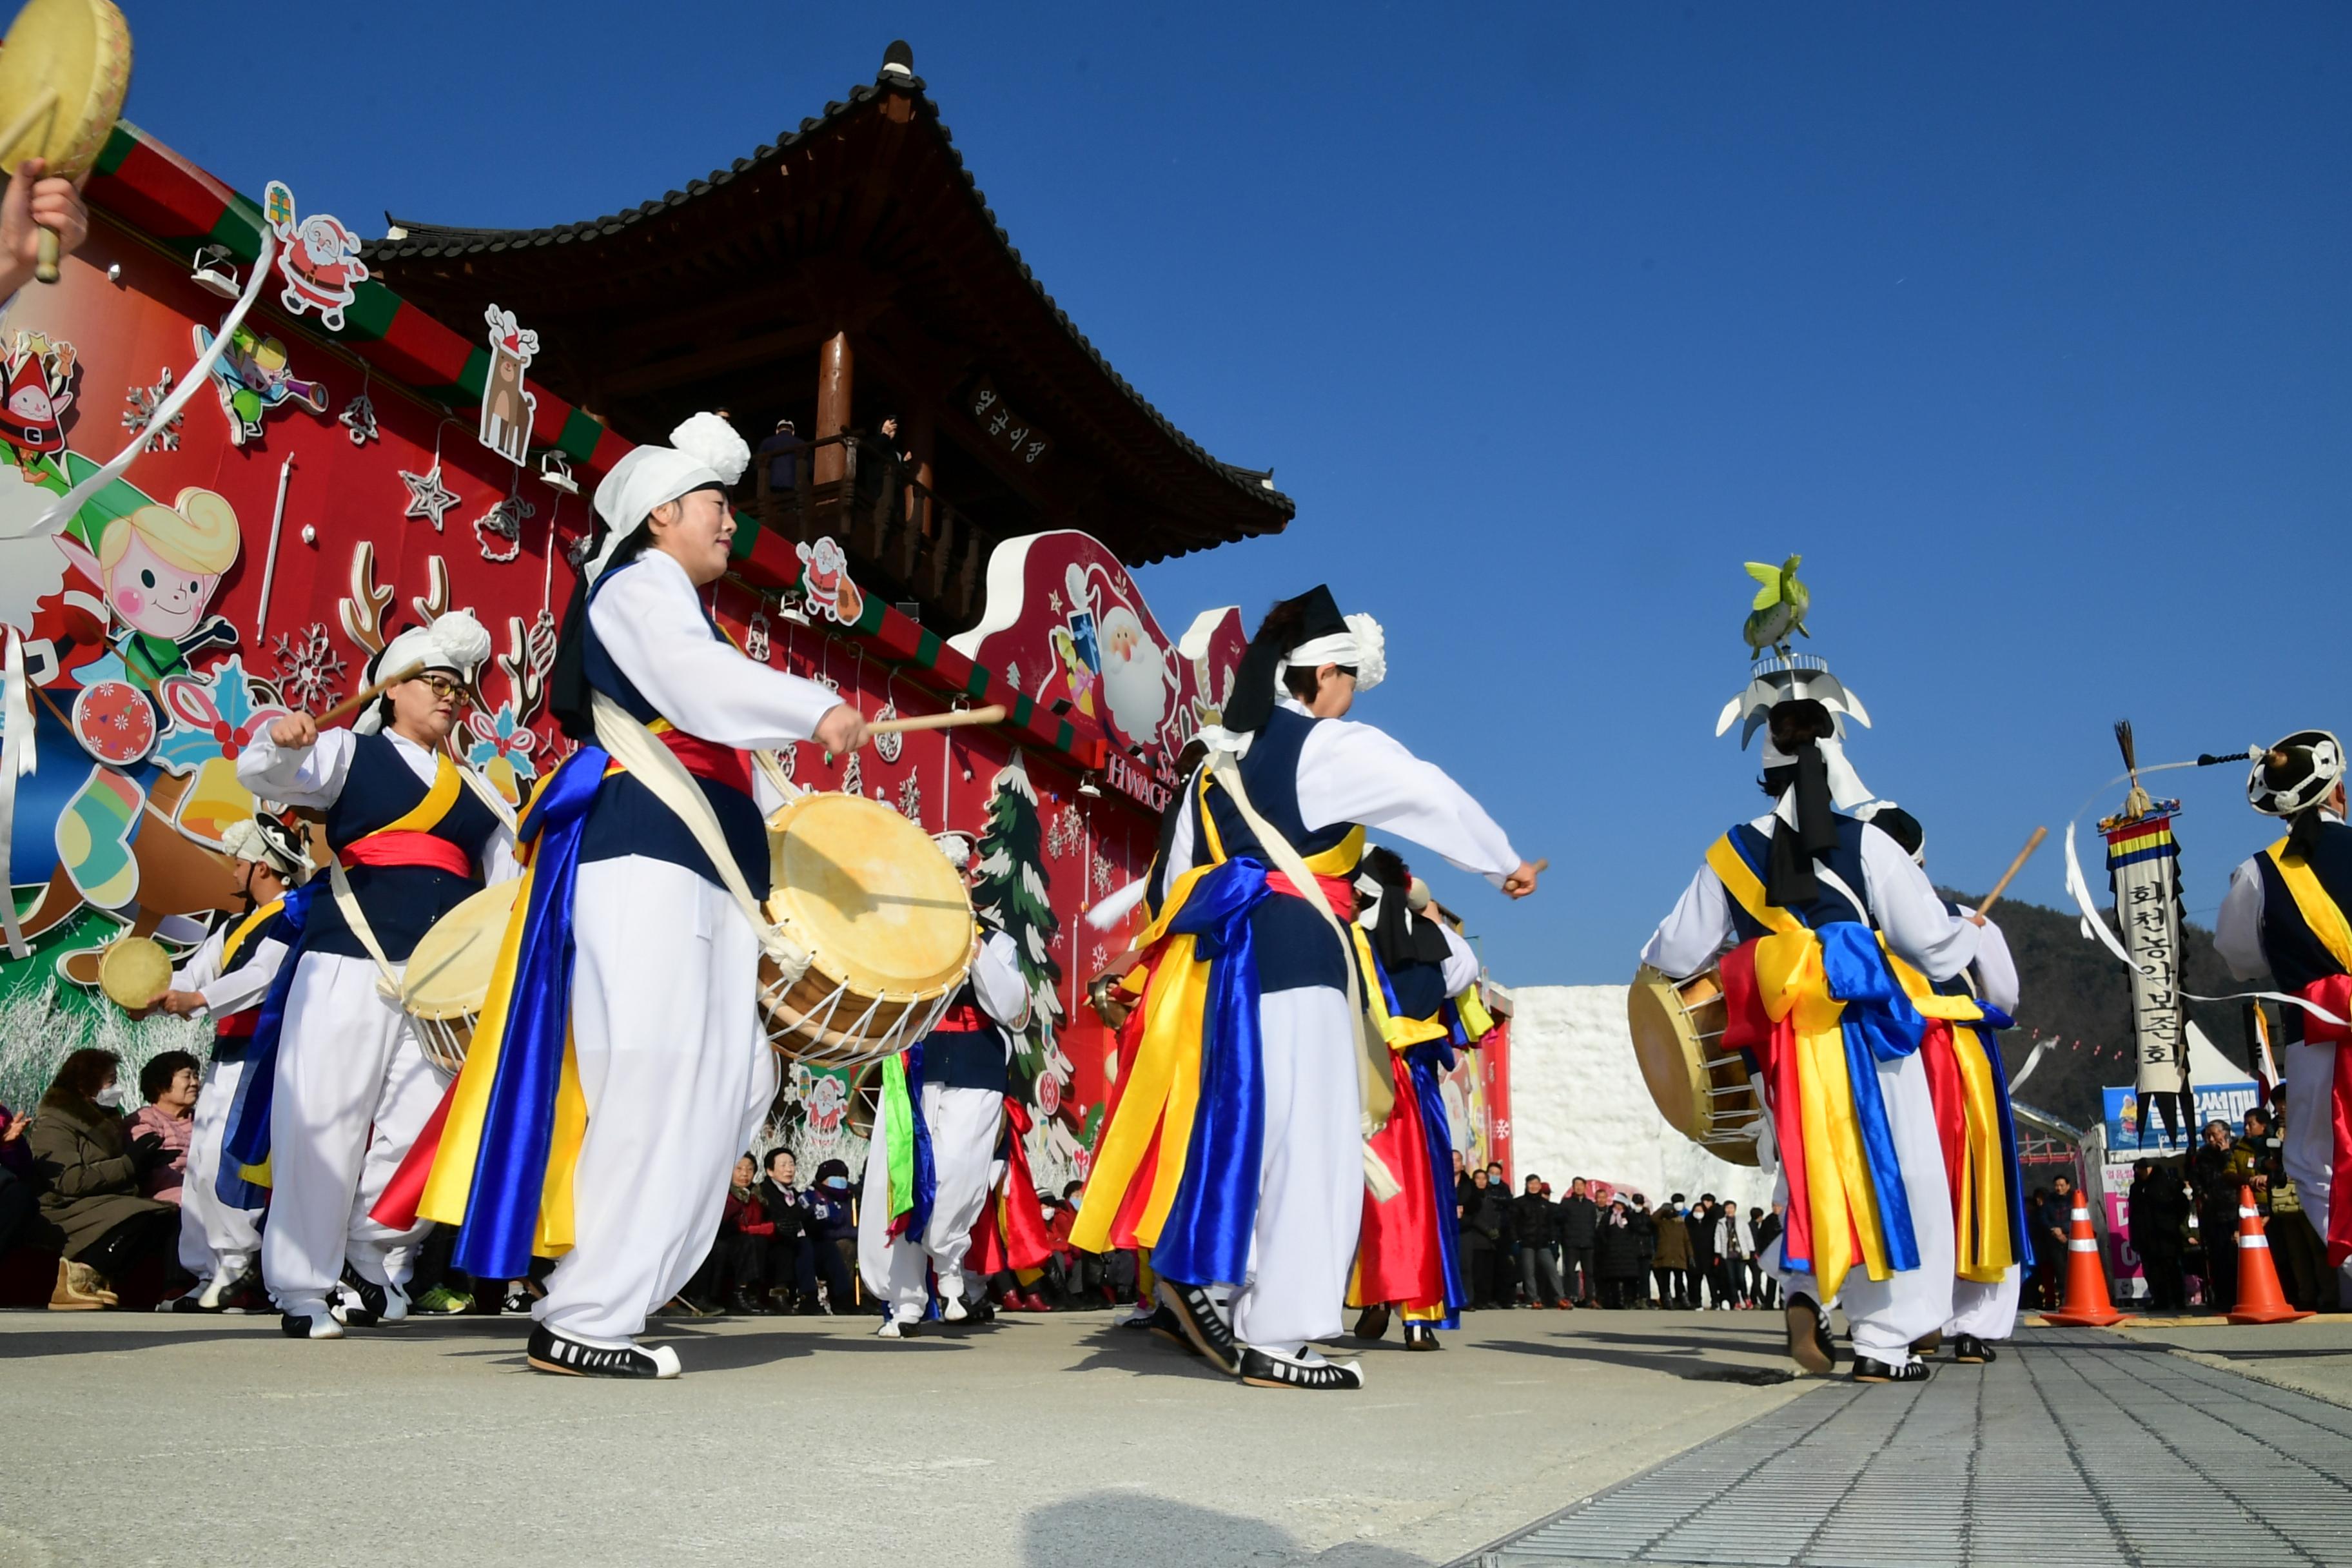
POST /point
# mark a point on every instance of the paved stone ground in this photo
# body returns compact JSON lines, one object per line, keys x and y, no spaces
{"x":1038,"y":1442}
{"x":2077,"y":1447}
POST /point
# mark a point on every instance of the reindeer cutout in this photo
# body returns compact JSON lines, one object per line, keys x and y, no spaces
{"x":508,"y":405}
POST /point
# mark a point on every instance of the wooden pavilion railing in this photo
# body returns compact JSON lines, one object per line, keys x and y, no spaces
{"x":922,"y":548}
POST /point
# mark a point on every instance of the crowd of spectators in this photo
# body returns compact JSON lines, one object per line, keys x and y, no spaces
{"x":1615,"y":1252}
{"x":2182,"y":1222}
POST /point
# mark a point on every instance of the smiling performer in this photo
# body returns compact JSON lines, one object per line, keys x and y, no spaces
{"x":1236,"y":1152}
{"x":337,"y":1083}
{"x":224,"y":981}
{"x":638,"y":937}
{"x":1797,"y":903}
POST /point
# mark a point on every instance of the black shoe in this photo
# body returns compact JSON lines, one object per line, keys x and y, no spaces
{"x":1927,"y":1344}
{"x":1265,"y":1369}
{"x":307,"y":1326}
{"x":1867,"y":1370}
{"x":1421,"y":1337}
{"x":747,"y":1304}
{"x":552,"y":1352}
{"x":1372,"y":1323}
{"x":1809,"y":1344}
{"x":516,"y":1302}
{"x":1168,"y":1326}
{"x":356,"y":1303}
{"x":1969,"y":1350}
{"x":1202,"y":1324}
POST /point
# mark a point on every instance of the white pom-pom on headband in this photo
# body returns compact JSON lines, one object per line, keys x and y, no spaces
{"x":1362,"y":647}
{"x":456,"y":642}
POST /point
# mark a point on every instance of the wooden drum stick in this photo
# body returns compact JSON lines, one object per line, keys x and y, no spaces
{"x":2014,"y":868}
{"x":359,"y":699}
{"x":991,"y":714}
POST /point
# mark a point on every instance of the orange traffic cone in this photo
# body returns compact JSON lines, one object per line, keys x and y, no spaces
{"x":2260,"y":1299}
{"x":2087,"y":1306}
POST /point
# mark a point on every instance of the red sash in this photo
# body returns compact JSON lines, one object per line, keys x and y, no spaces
{"x":238,"y":1026}
{"x":408,"y":847}
{"x":1339,"y":892}
{"x":708,"y":759}
{"x":963,"y":1018}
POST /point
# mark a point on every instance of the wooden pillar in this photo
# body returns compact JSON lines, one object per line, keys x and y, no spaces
{"x":917,"y":430}
{"x":836,"y":366}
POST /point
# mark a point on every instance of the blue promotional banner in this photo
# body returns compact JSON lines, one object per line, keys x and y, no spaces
{"x":2225,"y":1101}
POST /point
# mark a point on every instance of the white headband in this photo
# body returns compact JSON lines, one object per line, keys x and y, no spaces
{"x":1362,"y":647}
{"x":456,"y":642}
{"x":704,"y":450}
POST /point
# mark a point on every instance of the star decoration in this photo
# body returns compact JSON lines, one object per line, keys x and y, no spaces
{"x":427,"y":496}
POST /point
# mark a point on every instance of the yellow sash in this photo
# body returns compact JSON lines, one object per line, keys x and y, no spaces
{"x":2311,"y":901}
{"x":426,"y":813}
{"x":235,"y":941}
{"x":1984,"y":1246}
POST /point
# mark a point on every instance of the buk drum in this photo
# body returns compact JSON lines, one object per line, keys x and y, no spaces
{"x":448,"y":974}
{"x":1701,"y":1088}
{"x":885,"y":919}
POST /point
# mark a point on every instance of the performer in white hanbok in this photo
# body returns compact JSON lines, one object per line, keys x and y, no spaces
{"x":639,"y":944}
{"x":223,"y":981}
{"x":1255,"y":1182}
{"x":957,"y":1074}
{"x":2288,"y":919}
{"x":1802,"y":897}
{"x":341,"y":1092}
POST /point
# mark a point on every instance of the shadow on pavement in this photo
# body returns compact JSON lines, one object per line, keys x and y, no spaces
{"x":1689,"y":1368}
{"x":1132,"y":1527}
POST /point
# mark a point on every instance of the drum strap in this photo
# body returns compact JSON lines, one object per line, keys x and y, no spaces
{"x":641,"y":753}
{"x":1372,"y":1052}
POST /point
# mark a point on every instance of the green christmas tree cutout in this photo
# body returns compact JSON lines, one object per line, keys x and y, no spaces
{"x":1012,"y":897}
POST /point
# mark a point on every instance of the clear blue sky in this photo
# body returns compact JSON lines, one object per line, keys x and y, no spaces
{"x":2028,"y":325}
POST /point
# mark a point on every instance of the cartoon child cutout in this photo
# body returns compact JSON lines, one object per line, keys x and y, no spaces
{"x":157,"y":570}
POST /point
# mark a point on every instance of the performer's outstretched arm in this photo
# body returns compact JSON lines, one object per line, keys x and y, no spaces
{"x":1354,"y":773}
{"x":310,"y":776}
{"x":1916,"y":925}
{"x":650,"y":623}
{"x":1698,"y":931}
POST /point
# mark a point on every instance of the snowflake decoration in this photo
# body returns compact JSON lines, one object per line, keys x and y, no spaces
{"x":309,"y":670}
{"x":138,"y":412}
{"x":359,"y":418}
{"x":887,"y":747}
{"x":755,"y":636}
{"x":852,"y":780}
{"x":1098,"y":957}
{"x":427,"y":496}
{"x":1106,"y":875}
{"x":1068,"y":830}
{"x":503,"y":523}
{"x":910,"y":799}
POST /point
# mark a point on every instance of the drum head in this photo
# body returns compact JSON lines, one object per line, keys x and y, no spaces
{"x":134,"y":973}
{"x":870,"y":894}
{"x":449,"y":972}
{"x":1668,"y":1050}
{"x":79,"y":50}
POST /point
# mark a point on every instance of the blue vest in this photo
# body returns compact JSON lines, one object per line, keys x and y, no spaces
{"x":968,"y":1059}
{"x":1829,"y":906}
{"x":626,"y":819}
{"x":1294,"y":948}
{"x":1420,"y":989}
{"x":400,"y":902}
{"x":2296,"y":956}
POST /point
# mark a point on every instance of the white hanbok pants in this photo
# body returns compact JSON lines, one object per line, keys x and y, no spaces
{"x":1887,"y":1315}
{"x":2310,"y":1150}
{"x":1988,"y":1311}
{"x":216,"y":1241}
{"x":963,"y":1124}
{"x":1311,"y":1197}
{"x":352,"y":1092}
{"x":677,"y":1077}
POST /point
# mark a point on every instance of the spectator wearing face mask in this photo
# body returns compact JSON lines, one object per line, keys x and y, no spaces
{"x":832,"y":1225}
{"x":1670,"y":1263}
{"x":91,"y":1172}
{"x":168,"y":1084}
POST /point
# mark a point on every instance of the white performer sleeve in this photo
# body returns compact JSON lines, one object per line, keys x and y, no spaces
{"x":204,"y":965}
{"x":1698,"y":929}
{"x":1460,"y":971}
{"x":651,"y":624}
{"x":248,"y":984}
{"x":1180,"y":851}
{"x":297,"y":775}
{"x":1996,"y":969}
{"x":1354,"y":773}
{"x":2237,"y":932}
{"x":1915,"y":921}
{"x":996,"y":976}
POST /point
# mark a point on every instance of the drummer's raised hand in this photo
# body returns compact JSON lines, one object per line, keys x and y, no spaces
{"x":294,"y":732}
{"x":180,"y":1003}
{"x":842,"y":729}
{"x":1521,"y":882}
{"x":30,"y":204}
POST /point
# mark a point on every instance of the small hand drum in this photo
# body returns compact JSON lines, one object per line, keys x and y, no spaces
{"x":1701,"y":1088}
{"x":65,"y":69}
{"x":886,"y":922}
{"x":134,"y":973}
{"x":448,"y":974}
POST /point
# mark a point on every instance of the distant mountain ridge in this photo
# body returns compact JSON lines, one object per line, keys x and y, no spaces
{"x":2074,"y":988}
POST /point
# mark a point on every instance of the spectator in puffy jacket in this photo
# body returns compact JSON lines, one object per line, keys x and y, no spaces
{"x":1700,"y":1222}
{"x":1483,"y":1233}
{"x":738,"y":1262}
{"x":1580,"y":1220}
{"x":789,"y":1269}
{"x":1767,"y":1227}
{"x":833,"y":1222}
{"x":1645,"y":1246}
{"x":1617,"y":1255}
{"x":1670,"y":1264}
{"x":1534,"y":1221}
{"x":90,"y":1171}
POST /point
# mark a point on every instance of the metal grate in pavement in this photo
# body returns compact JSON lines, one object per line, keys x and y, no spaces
{"x":2077,"y":1448}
